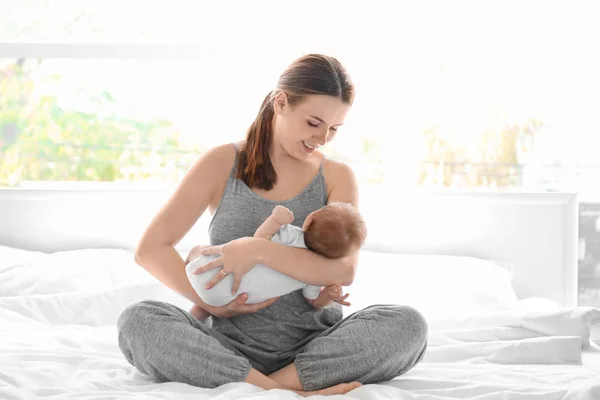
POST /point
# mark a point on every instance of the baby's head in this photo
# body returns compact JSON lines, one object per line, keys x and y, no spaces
{"x":334,"y":231}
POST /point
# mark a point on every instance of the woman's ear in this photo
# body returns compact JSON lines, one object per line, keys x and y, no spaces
{"x":280,"y":103}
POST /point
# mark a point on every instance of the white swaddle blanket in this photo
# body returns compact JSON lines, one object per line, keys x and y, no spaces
{"x":260,"y":283}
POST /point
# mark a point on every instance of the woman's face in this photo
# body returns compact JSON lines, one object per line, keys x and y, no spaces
{"x":309,"y":124}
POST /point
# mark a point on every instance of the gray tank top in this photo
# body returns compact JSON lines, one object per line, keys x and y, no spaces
{"x":240,"y":212}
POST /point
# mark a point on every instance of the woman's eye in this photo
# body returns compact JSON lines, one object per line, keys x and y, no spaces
{"x":333,"y":129}
{"x":313,"y":125}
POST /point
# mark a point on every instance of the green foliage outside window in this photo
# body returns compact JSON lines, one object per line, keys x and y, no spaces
{"x":42,"y":141}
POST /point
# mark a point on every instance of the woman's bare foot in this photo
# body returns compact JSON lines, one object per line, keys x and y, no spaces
{"x":342,"y":388}
{"x":258,"y":379}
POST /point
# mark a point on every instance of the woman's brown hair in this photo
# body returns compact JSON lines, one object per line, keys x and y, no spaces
{"x":310,"y":74}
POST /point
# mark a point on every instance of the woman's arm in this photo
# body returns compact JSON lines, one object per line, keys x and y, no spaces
{"x":302,"y":264}
{"x":156,"y":250}
{"x":166,"y":265}
{"x":305,"y":265}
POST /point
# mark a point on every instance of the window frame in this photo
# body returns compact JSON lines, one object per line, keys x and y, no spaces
{"x":152,"y":51}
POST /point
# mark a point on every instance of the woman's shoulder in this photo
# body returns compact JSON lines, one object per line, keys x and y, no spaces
{"x":335,"y":171}
{"x":213,"y":167}
{"x":339,"y":178}
{"x":222,"y":156}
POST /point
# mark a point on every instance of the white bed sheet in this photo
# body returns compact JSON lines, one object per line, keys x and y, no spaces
{"x":590,"y":357}
{"x":58,"y":341}
{"x":84,"y":362}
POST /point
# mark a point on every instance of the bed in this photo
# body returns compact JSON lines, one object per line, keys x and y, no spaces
{"x":494,"y":274}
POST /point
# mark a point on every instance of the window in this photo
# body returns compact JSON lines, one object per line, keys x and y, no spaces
{"x":503,"y":102}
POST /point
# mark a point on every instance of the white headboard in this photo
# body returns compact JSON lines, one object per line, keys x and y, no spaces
{"x":536,"y":233}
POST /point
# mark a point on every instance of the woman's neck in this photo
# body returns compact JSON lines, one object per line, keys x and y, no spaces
{"x":281,"y":159}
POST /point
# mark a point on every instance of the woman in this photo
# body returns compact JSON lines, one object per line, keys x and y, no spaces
{"x":283,"y":342}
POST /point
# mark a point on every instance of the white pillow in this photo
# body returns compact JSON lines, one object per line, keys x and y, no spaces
{"x":439,"y":286}
{"x":101,"y":307}
{"x":90,"y":286}
{"x":25,"y":272}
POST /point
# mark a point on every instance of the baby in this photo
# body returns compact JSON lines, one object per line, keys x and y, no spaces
{"x":334,"y":231}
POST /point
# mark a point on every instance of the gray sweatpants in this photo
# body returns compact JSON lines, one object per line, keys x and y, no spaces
{"x":375,"y":344}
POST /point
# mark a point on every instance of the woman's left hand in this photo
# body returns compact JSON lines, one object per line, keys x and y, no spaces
{"x":235,"y":257}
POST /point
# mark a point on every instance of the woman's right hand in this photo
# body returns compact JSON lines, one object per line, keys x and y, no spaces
{"x":239,"y":307}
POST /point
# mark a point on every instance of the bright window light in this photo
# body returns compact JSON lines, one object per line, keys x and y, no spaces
{"x":462,"y":95}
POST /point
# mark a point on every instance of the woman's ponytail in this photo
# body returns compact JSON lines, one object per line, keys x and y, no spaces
{"x":254,"y":165}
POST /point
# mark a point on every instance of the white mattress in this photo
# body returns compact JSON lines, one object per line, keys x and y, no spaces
{"x":58,"y":341}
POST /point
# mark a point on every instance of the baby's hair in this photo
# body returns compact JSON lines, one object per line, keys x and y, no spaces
{"x":335,"y":231}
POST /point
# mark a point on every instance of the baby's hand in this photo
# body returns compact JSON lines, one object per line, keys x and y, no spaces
{"x":337,"y":294}
{"x":282,"y":215}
